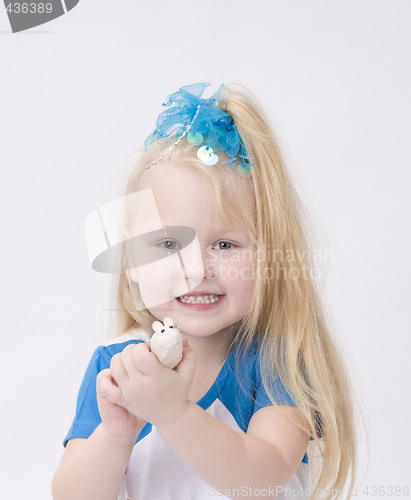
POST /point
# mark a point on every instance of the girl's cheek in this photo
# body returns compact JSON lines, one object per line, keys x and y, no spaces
{"x":237,"y":272}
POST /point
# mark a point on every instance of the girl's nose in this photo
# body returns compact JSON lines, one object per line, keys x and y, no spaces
{"x":199,"y":263}
{"x":209,"y":272}
{"x":209,"y":264}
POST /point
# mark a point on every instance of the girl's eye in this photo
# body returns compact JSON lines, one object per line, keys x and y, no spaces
{"x":223,"y":245}
{"x":169,"y":244}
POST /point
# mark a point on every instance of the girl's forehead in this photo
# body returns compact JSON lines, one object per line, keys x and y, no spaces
{"x":186,"y":180}
{"x":178,"y":186}
{"x":182,"y":192}
{"x":166,"y":176}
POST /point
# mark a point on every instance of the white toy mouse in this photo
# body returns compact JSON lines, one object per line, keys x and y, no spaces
{"x":167,"y":343}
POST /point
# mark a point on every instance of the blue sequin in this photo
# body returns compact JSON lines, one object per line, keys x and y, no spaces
{"x":207,"y":155}
{"x":195,"y":138}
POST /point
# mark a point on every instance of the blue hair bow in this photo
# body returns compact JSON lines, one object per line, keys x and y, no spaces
{"x":204,"y":124}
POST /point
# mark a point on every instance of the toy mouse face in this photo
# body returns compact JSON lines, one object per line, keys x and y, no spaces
{"x":168,"y":326}
{"x":167,"y":343}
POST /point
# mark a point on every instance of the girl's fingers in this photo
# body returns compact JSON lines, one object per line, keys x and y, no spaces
{"x":118,"y":369}
{"x":187,"y":365}
{"x":128,"y":360}
{"x":145,"y":360}
{"x":107,"y":387}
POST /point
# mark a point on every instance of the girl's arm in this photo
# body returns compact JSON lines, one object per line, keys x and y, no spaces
{"x":266,"y":457}
{"x":93,"y":468}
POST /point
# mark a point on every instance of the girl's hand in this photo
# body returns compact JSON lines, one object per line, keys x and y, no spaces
{"x":116,"y":420}
{"x":147,"y":389}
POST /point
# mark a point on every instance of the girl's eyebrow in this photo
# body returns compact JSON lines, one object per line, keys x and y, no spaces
{"x":233,"y":230}
{"x":232,"y":235}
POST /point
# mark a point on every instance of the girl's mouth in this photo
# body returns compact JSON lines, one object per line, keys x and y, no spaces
{"x":199,"y":299}
{"x":200,"y":302}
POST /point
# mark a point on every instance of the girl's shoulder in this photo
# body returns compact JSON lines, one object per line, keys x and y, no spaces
{"x":246,"y":355}
{"x":135,"y":334}
{"x":103,"y":354}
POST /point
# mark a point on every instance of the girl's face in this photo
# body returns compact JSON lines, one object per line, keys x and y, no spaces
{"x":224,"y":289}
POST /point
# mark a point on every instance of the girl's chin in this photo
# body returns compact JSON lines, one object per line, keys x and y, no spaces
{"x":197,"y":329}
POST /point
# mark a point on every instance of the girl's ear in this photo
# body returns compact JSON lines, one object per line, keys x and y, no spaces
{"x":157,"y":326}
{"x":168,"y":322}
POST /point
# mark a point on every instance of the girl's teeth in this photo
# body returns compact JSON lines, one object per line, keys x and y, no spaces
{"x":199,"y":299}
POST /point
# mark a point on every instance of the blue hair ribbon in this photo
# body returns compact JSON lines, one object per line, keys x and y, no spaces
{"x":204,"y":124}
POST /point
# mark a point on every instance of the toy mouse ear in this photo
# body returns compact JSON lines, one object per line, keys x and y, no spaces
{"x":157,"y":326}
{"x":168,"y":322}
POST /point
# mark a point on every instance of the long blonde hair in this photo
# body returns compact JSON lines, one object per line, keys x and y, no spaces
{"x":287,"y":317}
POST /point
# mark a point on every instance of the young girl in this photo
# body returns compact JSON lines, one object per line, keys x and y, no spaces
{"x":260,"y":375}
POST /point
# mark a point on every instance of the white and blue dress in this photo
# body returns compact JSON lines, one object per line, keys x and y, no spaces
{"x":155,"y":471}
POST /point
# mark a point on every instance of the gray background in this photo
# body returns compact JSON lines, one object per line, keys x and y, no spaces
{"x":78,"y":97}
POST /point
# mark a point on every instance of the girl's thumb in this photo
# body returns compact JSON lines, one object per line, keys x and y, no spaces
{"x":187,"y":365}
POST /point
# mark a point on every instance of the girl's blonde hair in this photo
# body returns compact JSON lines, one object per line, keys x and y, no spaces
{"x":286,"y":317}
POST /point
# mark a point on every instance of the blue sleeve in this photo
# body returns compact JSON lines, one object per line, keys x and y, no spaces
{"x":278,"y":392}
{"x":243,"y":392}
{"x":87,"y":416}
{"x":280,"y":395}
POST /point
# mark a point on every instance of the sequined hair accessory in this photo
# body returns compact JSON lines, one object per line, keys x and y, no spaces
{"x":203,"y":124}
